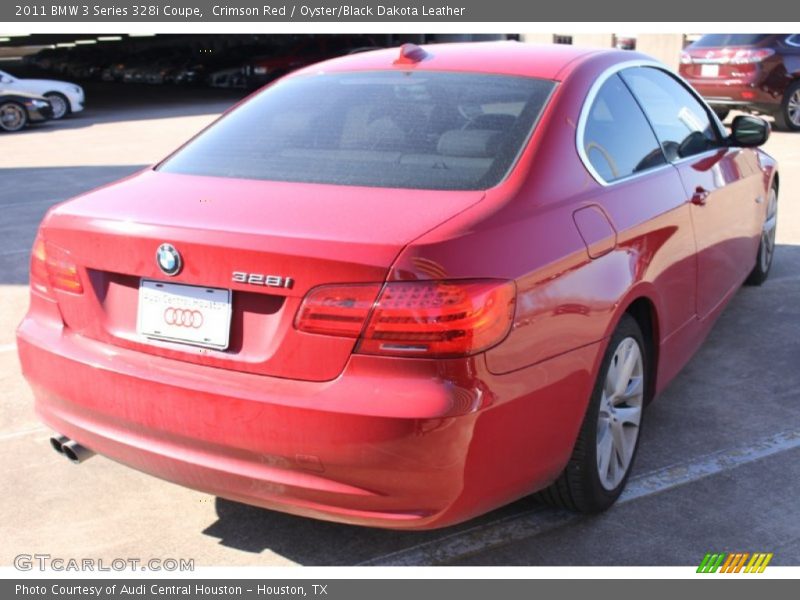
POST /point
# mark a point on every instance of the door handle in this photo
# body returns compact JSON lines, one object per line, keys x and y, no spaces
{"x":700,"y":196}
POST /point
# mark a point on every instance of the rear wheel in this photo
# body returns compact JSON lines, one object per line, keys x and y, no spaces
{"x":13,"y":116}
{"x":604,"y":452}
{"x":787,"y":117}
{"x":59,"y":103}
{"x":766,"y":247}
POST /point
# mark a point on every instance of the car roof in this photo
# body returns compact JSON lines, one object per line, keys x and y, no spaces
{"x":544,"y":61}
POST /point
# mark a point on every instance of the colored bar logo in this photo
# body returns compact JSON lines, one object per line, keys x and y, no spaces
{"x":734,"y":562}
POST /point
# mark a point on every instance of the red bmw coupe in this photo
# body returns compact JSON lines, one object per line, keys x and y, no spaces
{"x":404,"y":287}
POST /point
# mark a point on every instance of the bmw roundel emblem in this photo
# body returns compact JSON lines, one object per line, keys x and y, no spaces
{"x":168,"y":259}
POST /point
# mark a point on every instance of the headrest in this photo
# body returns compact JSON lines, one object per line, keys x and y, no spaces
{"x":472,"y":143}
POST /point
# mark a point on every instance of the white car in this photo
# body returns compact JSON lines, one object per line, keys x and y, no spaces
{"x":65,"y":97}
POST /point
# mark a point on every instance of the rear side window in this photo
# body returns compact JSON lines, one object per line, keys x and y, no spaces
{"x":425,"y":130}
{"x":617,"y":140}
{"x":714,"y":40}
{"x":682,"y":124}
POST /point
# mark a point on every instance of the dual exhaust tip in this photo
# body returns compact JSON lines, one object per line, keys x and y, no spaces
{"x":70,"y":449}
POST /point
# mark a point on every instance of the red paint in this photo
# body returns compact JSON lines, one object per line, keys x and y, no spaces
{"x":303,"y":422}
{"x":596,"y":230}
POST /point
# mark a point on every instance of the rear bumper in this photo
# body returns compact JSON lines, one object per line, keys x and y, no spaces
{"x":734,"y":93}
{"x":77,"y":104}
{"x":407,"y":448}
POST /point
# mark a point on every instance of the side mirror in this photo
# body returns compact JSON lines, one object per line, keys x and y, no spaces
{"x":748,"y":131}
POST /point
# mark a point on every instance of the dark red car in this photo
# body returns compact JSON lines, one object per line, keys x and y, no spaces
{"x":404,"y":287}
{"x":747,"y":71}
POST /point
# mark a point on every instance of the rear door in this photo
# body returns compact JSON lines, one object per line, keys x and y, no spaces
{"x":722,"y":184}
{"x":643,"y":197}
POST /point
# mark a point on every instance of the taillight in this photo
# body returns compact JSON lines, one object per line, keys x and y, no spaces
{"x":339,"y":310}
{"x":420,"y":318}
{"x":748,"y":56}
{"x":38,"y":269}
{"x":728,"y":56}
{"x":52,"y":269}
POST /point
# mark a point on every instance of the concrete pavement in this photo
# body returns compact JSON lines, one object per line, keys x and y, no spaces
{"x":717,"y":446}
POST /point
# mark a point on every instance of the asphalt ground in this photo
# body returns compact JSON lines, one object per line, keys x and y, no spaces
{"x":718,"y":469}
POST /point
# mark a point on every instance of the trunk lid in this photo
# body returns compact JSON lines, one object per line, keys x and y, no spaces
{"x":314,"y":234}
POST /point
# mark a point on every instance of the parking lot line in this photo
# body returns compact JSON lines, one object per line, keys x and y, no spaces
{"x":14,"y":252}
{"x":7,"y":347}
{"x":531,"y":523}
{"x":17,"y":434}
{"x":30,"y":202}
{"x":711,"y":464}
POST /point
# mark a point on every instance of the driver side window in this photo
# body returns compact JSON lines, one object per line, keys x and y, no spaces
{"x":682,"y":124}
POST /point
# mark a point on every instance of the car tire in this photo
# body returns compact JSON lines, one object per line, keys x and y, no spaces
{"x":787,"y":117}
{"x":13,"y":117}
{"x":766,"y":246}
{"x":721,"y":112}
{"x":587,"y":485}
{"x":59,"y":103}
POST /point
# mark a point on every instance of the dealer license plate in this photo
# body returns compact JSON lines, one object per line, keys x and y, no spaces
{"x":184,"y":313}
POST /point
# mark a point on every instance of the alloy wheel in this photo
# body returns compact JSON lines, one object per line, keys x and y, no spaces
{"x":793,"y":108}
{"x":59,"y":105}
{"x":769,"y":228}
{"x":12,"y":117}
{"x":620,"y":413}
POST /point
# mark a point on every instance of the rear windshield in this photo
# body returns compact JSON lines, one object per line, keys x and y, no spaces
{"x":713,"y":40}
{"x":423,"y":130}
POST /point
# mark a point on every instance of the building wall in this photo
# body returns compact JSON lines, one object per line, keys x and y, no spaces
{"x":665,"y":47}
{"x":537,"y":38}
{"x":596,"y":40}
{"x":593,"y":40}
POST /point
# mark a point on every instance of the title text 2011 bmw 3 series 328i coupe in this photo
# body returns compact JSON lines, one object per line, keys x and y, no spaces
{"x":404,"y":287}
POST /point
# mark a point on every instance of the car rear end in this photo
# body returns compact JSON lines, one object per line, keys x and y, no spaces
{"x":736,"y":71}
{"x":232,"y":320}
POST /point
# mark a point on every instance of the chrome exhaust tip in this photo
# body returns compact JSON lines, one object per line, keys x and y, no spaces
{"x":70,"y":449}
{"x":57,"y":442}
{"x":76,"y":453}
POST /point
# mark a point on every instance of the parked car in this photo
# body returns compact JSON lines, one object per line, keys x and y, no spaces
{"x":269,"y":65}
{"x":65,"y":98}
{"x":757,"y":73}
{"x":231,"y":78}
{"x":18,"y":109}
{"x":207,"y":68}
{"x":404,"y":287}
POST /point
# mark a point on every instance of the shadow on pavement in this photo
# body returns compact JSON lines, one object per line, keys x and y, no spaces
{"x":26,"y":195}
{"x":312,"y":542}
